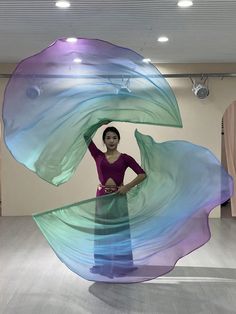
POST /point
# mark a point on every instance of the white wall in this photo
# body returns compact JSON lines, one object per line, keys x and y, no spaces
{"x":23,"y":193}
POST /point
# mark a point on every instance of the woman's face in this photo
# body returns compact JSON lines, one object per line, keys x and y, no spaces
{"x":111,"y":140}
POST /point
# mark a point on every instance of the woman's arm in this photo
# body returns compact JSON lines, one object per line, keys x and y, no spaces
{"x":125,"y":188}
{"x":94,"y":151}
{"x":141,"y":175}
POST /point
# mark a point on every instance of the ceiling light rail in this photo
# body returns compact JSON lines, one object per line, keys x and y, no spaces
{"x":171,"y":75}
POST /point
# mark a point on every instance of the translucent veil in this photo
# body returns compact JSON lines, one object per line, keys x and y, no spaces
{"x":70,"y":89}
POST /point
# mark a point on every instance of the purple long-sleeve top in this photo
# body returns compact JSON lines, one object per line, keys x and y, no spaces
{"x":115,"y":170}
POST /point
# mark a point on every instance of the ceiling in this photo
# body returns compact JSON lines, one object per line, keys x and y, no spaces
{"x":206,"y":32}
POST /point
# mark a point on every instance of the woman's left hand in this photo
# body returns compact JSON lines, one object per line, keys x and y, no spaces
{"x":123,"y":189}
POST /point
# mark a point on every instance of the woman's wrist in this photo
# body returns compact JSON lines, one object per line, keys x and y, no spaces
{"x":129,"y":186}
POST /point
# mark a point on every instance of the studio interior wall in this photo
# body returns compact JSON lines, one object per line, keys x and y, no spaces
{"x":23,"y":193}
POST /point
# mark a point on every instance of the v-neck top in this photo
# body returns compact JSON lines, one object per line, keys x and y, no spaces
{"x":116,"y":169}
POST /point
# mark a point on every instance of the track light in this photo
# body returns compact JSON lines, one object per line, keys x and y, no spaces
{"x":200,"y":89}
{"x":33,"y":91}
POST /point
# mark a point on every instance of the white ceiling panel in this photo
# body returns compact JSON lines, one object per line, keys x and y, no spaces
{"x":206,"y":32}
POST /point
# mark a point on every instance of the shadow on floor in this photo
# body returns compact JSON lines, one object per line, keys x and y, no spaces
{"x":186,"y":290}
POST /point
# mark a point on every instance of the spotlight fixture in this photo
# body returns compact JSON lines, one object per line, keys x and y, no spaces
{"x":123,"y":87}
{"x":62,"y":4}
{"x":185,"y":3}
{"x":33,"y":91}
{"x":200,"y":90}
{"x":163,"y":39}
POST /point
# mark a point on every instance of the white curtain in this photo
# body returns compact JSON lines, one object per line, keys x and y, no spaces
{"x":229,"y":121}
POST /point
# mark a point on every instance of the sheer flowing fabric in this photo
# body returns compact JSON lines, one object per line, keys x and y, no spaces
{"x":70,"y":89}
{"x":167,"y":218}
{"x":51,"y":101}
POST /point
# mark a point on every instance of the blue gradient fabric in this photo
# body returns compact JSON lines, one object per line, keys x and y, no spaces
{"x":168,"y":216}
{"x":52,"y":100}
{"x":69,"y":90}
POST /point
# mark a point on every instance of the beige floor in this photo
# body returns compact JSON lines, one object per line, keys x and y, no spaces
{"x":34,"y":281}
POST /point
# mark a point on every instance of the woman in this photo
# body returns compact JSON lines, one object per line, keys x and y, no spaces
{"x":110,"y":259}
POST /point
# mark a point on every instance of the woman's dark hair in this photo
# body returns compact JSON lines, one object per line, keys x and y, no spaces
{"x":110,"y":129}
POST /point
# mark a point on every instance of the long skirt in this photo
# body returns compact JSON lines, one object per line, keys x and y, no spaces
{"x":112,"y":246}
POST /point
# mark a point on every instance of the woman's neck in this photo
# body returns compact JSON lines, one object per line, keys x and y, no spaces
{"x":112,"y":152}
